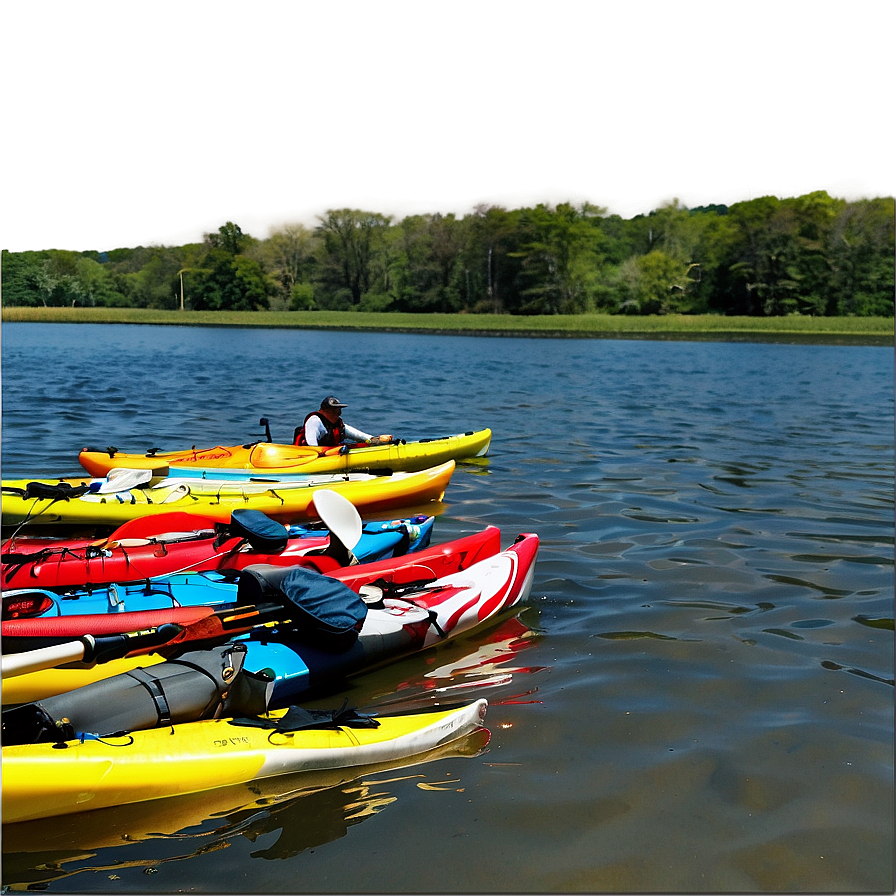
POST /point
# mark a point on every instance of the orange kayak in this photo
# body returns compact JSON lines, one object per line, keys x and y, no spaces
{"x":274,"y":458}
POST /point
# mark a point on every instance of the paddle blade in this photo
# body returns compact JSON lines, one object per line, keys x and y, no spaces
{"x":121,"y":479}
{"x":339,"y":516}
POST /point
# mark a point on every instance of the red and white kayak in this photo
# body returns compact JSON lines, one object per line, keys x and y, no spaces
{"x":437,"y":593}
{"x":176,"y":542}
{"x":394,"y":622}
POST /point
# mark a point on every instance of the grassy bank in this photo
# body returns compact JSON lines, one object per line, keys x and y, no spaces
{"x":854,"y":330}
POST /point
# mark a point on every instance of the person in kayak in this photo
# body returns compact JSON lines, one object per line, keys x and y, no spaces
{"x":325,"y":427}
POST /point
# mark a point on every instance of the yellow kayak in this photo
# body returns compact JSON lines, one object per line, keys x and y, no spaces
{"x":35,"y":686}
{"x":286,"y":502}
{"x":67,"y":836}
{"x":42,"y":780}
{"x":274,"y":458}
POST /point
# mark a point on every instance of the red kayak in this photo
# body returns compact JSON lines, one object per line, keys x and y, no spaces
{"x":421,"y":599}
{"x":40,"y":613}
{"x":176,"y":542}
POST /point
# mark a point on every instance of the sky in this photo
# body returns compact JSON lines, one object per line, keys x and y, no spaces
{"x":136,"y":123}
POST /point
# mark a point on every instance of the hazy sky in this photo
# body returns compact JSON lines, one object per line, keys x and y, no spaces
{"x":135,"y":123}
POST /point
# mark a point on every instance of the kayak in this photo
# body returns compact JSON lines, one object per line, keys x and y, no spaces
{"x":67,"y":502}
{"x":404,"y":620}
{"x":175,"y":542}
{"x":274,"y":457}
{"x":214,"y":587}
{"x":260,"y":806}
{"x":270,"y":668}
{"x":42,"y":780}
{"x":43,"y":616}
{"x":410,"y":621}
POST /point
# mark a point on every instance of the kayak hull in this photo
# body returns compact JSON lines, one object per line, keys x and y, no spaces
{"x":30,"y":562}
{"x":415,"y":621}
{"x":274,"y":457}
{"x":63,"y":614}
{"x":42,"y":781}
{"x":291,"y":505}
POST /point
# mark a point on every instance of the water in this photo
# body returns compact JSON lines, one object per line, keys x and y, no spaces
{"x":699,"y":695}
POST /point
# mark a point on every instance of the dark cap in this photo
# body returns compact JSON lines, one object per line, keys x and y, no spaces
{"x":331,"y":402}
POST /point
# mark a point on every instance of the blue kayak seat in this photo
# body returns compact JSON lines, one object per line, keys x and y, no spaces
{"x":266,"y":536}
{"x":322,"y":612}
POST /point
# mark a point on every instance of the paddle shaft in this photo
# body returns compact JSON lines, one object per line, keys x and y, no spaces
{"x":217,"y":626}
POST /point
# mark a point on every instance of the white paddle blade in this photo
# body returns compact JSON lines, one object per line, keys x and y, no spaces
{"x":339,"y":516}
{"x":43,"y":658}
{"x":120,"y":479}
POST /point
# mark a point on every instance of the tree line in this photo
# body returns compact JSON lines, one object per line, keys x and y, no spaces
{"x":812,"y":254}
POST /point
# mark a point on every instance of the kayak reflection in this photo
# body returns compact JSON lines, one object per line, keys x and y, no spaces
{"x":309,"y":809}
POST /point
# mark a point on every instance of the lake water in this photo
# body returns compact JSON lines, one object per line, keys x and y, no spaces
{"x":697,"y":697}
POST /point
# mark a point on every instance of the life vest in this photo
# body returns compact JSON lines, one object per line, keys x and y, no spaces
{"x":335,"y":434}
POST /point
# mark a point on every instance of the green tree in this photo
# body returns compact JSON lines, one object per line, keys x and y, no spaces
{"x":289,"y":255}
{"x":351,"y":239}
{"x":156,"y":283}
{"x":710,"y":278}
{"x":228,"y":283}
{"x":560,"y":257}
{"x":814,"y":215}
{"x":425,"y":272}
{"x":21,"y":272}
{"x":654,"y":283}
{"x":60,"y":282}
{"x":491,"y":260}
{"x":101,"y":287}
{"x":860,"y":251}
{"x":229,"y":237}
{"x":226,"y":280}
{"x":758,"y":256}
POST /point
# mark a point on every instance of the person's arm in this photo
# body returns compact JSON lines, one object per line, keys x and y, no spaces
{"x":314,"y":429}
{"x":356,"y":434}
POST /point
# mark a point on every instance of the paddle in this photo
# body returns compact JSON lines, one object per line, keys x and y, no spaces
{"x":88,"y":649}
{"x":120,"y":479}
{"x":340,"y":516}
{"x":198,"y":624}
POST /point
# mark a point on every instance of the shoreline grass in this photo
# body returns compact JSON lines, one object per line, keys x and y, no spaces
{"x":795,"y":328}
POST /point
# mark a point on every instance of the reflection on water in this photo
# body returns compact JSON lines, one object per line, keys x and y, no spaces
{"x":288,"y":814}
{"x":702,"y":698}
{"x":299,"y":811}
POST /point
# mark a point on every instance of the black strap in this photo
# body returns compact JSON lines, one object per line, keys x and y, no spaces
{"x":433,"y":617}
{"x":297,"y":718}
{"x":152,"y":684}
{"x":54,"y":491}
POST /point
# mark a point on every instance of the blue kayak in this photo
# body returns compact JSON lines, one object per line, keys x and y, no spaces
{"x":178,"y":542}
{"x":386,"y":622}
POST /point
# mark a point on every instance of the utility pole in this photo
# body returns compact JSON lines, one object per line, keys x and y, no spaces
{"x":491,"y":291}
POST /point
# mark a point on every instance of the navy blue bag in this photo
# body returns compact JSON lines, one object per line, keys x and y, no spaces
{"x":323,"y":612}
{"x":266,"y":536}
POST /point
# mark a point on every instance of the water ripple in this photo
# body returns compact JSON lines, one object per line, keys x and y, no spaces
{"x":706,"y":699}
